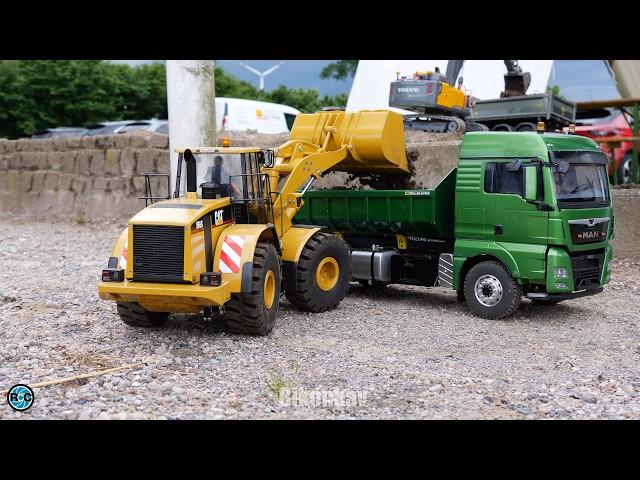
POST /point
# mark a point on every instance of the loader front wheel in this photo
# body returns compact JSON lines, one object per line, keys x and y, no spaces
{"x":322,"y":274}
{"x":254,"y":312}
{"x":135,"y":315}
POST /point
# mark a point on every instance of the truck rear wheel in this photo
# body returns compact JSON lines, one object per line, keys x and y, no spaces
{"x":135,"y":315}
{"x":491,"y":292}
{"x":372,"y":284}
{"x":322,"y":274}
{"x":254,"y":312}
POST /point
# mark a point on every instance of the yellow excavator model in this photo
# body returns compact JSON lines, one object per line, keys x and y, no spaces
{"x":229,"y":241}
{"x":440,"y":105}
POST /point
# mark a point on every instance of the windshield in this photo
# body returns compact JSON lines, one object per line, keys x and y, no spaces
{"x":585,"y":184}
{"x":218,"y":169}
{"x":231,"y":174}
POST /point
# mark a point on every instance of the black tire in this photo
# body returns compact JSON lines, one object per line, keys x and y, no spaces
{"x":372,"y":284}
{"x":247,"y":313}
{"x":526,"y":127}
{"x":506,"y":303}
{"x":135,"y":315}
{"x":624,"y":170}
{"x":302,"y":290}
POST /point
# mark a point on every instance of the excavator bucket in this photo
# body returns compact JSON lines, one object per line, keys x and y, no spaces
{"x":374,"y":138}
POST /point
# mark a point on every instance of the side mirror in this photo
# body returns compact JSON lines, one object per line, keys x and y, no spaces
{"x":530,"y":183}
{"x":563,"y":167}
{"x":513,"y":166}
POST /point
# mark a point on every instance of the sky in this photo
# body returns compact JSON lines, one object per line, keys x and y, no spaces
{"x":579,"y":80}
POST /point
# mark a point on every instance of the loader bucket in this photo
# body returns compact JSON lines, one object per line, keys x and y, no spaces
{"x":375,"y":138}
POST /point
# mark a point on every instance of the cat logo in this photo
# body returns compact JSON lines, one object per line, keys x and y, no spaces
{"x":218,"y":217}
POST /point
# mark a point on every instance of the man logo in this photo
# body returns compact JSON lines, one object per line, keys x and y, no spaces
{"x":20,"y":397}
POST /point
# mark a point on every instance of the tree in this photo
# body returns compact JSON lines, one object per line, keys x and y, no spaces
{"x":38,"y":94}
{"x":340,"y":70}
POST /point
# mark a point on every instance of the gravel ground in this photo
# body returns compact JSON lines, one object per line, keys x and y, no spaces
{"x":403,"y":352}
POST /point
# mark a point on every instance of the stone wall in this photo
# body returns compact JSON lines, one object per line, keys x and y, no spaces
{"x":97,"y":178}
{"x":80,"y":178}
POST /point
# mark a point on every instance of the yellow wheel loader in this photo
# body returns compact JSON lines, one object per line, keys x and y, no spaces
{"x":229,"y":241}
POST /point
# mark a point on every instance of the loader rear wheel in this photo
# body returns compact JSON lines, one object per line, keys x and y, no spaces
{"x":254,"y":312}
{"x":322,"y":274}
{"x":135,"y":315}
{"x":491,"y":292}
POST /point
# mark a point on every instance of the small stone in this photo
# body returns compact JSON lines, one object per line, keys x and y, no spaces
{"x":166,"y":387}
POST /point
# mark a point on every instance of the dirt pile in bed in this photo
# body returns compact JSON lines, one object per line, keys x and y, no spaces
{"x":431,"y":156}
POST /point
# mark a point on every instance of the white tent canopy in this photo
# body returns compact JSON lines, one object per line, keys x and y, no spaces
{"x":626,"y":76}
{"x":483,"y":78}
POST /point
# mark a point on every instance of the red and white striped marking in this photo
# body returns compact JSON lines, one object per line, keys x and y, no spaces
{"x":231,"y":253}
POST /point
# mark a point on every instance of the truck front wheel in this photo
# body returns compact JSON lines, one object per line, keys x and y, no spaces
{"x":491,"y":292}
{"x":254,"y":312}
{"x":322,"y":274}
{"x":135,"y":315}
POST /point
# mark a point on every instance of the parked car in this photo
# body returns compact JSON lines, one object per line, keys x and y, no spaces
{"x":153,"y":125}
{"x":58,"y":132}
{"x":609,"y":123}
{"x":105,"y":128}
{"x":263,"y":117}
{"x":124,"y":126}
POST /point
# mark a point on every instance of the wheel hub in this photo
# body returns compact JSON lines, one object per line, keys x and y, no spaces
{"x":488,"y":290}
{"x":269,"y":289}
{"x":327,"y":273}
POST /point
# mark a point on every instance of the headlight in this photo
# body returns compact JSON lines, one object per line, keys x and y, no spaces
{"x":561,"y":286}
{"x":560,"y":272}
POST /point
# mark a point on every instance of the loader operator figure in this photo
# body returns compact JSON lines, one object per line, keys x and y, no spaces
{"x":217,"y":173}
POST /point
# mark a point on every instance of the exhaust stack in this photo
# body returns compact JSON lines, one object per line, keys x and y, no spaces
{"x":190,"y":161}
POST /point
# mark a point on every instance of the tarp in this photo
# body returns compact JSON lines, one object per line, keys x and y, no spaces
{"x":483,"y":78}
{"x":626,"y":76}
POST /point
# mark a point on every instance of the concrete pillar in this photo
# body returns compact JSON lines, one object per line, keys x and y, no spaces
{"x":191,"y":104}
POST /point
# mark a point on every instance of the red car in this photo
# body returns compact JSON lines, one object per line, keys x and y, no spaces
{"x":610,"y":123}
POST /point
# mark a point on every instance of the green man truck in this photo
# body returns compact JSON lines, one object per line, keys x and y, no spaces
{"x":523,"y":214}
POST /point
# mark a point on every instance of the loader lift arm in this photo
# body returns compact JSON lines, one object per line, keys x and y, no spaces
{"x":340,"y":141}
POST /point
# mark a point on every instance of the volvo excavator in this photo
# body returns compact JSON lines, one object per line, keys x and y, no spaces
{"x":440,"y":105}
{"x":228,"y":242}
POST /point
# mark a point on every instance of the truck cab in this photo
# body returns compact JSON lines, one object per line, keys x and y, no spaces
{"x":539,"y":204}
{"x":524,"y":214}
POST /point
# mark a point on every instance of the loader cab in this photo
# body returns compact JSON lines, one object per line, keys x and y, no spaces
{"x":226,"y":172}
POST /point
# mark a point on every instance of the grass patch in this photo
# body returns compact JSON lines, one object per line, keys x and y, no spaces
{"x":277,"y":382}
